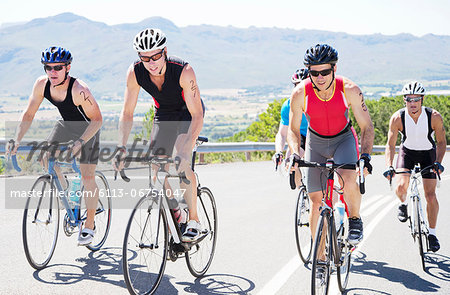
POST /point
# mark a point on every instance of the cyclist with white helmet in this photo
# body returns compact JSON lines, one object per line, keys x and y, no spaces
{"x":81,"y":122}
{"x":179,"y":111}
{"x":417,"y":124}
{"x":280,"y":138}
{"x":325,"y":99}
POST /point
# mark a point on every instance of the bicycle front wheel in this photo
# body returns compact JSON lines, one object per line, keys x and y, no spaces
{"x":419,"y":224}
{"x":200,"y":256}
{"x":102,"y":212}
{"x":40,"y":223}
{"x":322,"y":257}
{"x":303,"y":235}
{"x":144,"y":253}
{"x":344,"y":248}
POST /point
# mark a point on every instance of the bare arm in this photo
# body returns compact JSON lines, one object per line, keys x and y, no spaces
{"x":129,"y":104}
{"x":295,"y":118}
{"x":439,"y":132}
{"x":194,"y":104}
{"x":280,"y":138}
{"x":35,"y":100}
{"x":355,"y":99}
{"x":83,"y":97}
{"x":394,"y":128}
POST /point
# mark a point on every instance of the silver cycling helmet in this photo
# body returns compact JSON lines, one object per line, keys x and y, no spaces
{"x":149,"y":39}
{"x":413,"y":88}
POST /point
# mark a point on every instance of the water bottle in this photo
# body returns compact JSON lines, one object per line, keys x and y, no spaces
{"x":75,"y":191}
{"x":339,"y":213}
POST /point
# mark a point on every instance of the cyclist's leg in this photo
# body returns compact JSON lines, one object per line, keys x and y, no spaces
{"x":314,"y":182}
{"x":347,"y":152}
{"x":88,"y":165}
{"x":427,"y":158}
{"x":405,"y":161}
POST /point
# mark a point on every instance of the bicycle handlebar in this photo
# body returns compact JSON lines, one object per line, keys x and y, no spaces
{"x":328,"y":166}
{"x":63,"y":146}
{"x":392,"y":172}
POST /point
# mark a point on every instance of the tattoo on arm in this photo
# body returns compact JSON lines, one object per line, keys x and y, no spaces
{"x":363,"y":105}
{"x":85,"y":97}
{"x":193,"y":87}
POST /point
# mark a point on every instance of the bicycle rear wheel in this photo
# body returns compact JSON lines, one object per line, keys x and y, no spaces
{"x":200,"y":256}
{"x":343,"y":270}
{"x":40,"y":223}
{"x":144,"y":253}
{"x":303,"y":235}
{"x":102,"y":213}
{"x":421,"y":234}
{"x":322,"y":257}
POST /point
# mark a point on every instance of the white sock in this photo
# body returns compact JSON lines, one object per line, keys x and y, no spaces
{"x":432,"y":231}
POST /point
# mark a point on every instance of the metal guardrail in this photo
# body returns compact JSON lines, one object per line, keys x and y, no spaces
{"x":223,"y":147}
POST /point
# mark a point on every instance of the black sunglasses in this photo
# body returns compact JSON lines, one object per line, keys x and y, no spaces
{"x":323,"y":73}
{"x":415,"y":99}
{"x":56,"y":68}
{"x":154,"y":57}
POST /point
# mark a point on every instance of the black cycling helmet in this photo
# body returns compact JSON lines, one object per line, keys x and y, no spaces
{"x":56,"y":54}
{"x":320,"y":54}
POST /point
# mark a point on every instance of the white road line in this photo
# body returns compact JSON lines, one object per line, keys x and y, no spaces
{"x":366,"y":203}
{"x":282,"y":276}
{"x":376,"y":205}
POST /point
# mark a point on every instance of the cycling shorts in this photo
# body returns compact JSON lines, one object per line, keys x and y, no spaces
{"x":64,"y":131}
{"x":343,"y":148}
{"x":409,"y":158}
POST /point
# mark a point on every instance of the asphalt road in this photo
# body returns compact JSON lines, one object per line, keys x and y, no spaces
{"x":256,"y":251}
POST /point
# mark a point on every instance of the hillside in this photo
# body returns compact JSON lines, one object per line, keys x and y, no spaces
{"x":223,"y":57}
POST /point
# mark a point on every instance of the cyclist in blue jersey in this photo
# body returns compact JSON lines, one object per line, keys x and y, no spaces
{"x":280,"y":138}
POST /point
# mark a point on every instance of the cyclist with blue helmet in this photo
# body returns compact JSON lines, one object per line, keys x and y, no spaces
{"x":81,"y":122}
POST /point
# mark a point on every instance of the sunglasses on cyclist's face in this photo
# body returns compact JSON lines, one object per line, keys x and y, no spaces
{"x":57,"y":68}
{"x":413,"y":99}
{"x":323,"y":73}
{"x":154,"y":57}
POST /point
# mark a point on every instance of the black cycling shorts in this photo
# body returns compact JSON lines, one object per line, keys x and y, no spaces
{"x":64,"y":131}
{"x":409,"y":158}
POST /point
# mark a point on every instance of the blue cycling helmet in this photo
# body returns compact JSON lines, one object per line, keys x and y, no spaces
{"x":56,"y":54}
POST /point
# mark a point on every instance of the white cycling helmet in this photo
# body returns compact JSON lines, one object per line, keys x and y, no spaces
{"x":413,"y":88}
{"x":149,"y":39}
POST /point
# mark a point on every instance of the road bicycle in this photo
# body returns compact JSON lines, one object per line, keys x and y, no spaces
{"x":153,"y":234}
{"x":40,"y":223}
{"x":332,"y":249}
{"x":417,"y":223}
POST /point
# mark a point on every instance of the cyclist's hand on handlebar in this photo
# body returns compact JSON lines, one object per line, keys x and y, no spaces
{"x":367,"y":166}
{"x":118,"y":160}
{"x":438,"y":167}
{"x":389,"y":173}
{"x":11,"y":147}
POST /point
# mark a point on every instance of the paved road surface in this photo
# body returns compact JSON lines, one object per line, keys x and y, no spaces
{"x":256,"y":252}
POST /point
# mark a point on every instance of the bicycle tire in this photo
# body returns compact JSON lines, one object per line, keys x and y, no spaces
{"x":102,"y":214}
{"x":421,"y":236}
{"x":343,"y":270}
{"x":320,"y":284}
{"x":139,"y":276}
{"x":303,"y":237}
{"x":199,"y":257}
{"x":41,"y":215}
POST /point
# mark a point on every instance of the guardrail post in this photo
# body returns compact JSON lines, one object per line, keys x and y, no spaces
{"x":248,"y":156}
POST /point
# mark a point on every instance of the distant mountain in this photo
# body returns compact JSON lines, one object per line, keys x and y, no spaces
{"x":222,"y":57}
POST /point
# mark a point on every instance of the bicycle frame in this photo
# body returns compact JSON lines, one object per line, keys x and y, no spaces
{"x":414,"y":195}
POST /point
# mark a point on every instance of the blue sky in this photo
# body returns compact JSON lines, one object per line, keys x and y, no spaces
{"x":387,"y":17}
